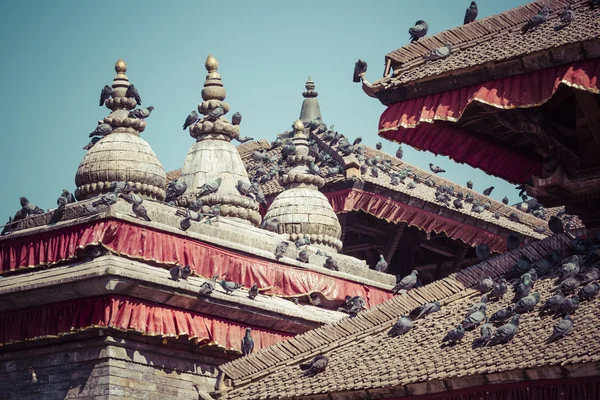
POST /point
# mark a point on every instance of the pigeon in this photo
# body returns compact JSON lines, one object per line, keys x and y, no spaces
{"x":470,"y":184}
{"x":533,"y":273}
{"x":503,"y":314}
{"x":589,"y":291}
{"x":411,"y":185}
{"x":270,"y":224}
{"x":478,"y":306}
{"x":439,"y":53}
{"x":553,"y":303}
{"x":506,"y":332}
{"x":191,"y":120}
{"x":101,"y":130}
{"x":406,"y":283}
{"x":418,"y":30}
{"x":141,"y":113}
{"x":209,"y":187}
{"x":253,"y":291}
{"x":139,"y":210}
{"x":486,"y":284}
{"x":29,"y":208}
{"x":522,"y":266}
{"x":568,"y":270}
{"x":175,"y":272}
{"x":303,"y":256}
{"x":435,"y":169}
{"x":569,"y":305}
{"x":360,"y":68}
{"x":69,"y":196}
{"x":216,"y":210}
{"x":488,"y":191}
{"x":403,"y":325}
{"x":505,"y":200}
{"x":381,"y":265}
{"x":455,"y":335}
{"x":208,"y":286}
{"x":236,"y":119}
{"x":281,"y":249}
{"x":330,"y":263}
{"x":399,"y":153}
{"x":106,"y":199}
{"x":244,"y":139}
{"x":247,"y":343}
{"x":513,"y":242}
{"x":186,"y":272}
{"x":195,"y":205}
{"x":216,"y":113}
{"x":457,"y":203}
{"x":132,"y":93}
{"x":105,"y":94}
{"x":527,"y":303}
{"x":303,"y":241}
{"x":524,"y":287}
{"x":315,"y":366}
{"x":425,"y":309}
{"x":357,"y":141}
{"x":375,"y":171}
{"x":378,"y":146}
{"x":562,"y":329}
{"x":593,"y":274}
{"x":569,"y":285}
{"x":230,"y":287}
{"x":243,"y":187}
{"x":486,"y":331}
{"x":7,"y":227}
{"x":555,"y":225}
{"x":537,"y":20}
{"x":175,"y":189}
{"x":185,"y":224}
{"x":474,"y":319}
{"x":566,"y":17}
{"x":92,"y":142}
{"x":499,"y":289}
{"x":471,"y":13}
{"x":482,"y":251}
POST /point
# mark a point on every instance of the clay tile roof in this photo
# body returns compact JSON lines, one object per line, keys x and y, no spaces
{"x":495,"y":39}
{"x":576,"y":223}
{"x":362,"y":356}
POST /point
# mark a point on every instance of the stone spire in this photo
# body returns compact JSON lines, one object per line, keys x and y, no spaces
{"x":303,"y":211}
{"x":214,"y":156}
{"x":310,"y":106}
{"x":121,"y":156}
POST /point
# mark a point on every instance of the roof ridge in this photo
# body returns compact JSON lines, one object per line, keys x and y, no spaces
{"x":319,"y":339}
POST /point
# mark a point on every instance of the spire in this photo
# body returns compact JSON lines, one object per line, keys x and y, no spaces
{"x":310,"y":106}
{"x":300,"y":161}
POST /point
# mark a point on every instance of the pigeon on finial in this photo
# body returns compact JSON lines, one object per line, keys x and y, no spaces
{"x":191,"y":119}
{"x":141,"y":113}
{"x":360,"y":68}
{"x":105,"y":94}
{"x":133,"y":93}
{"x":471,"y":13}
{"x":418,"y":30}
{"x":101,"y":130}
{"x":216,"y":113}
{"x":236,"y":118}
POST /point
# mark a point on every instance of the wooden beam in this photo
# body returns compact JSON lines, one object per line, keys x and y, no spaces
{"x":392,"y":245}
{"x":388,"y":65}
{"x":438,"y":250}
{"x":356,"y":247}
{"x":589,"y":105}
{"x":364,"y":229}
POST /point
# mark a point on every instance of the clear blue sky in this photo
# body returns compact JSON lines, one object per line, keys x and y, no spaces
{"x":57,"y":56}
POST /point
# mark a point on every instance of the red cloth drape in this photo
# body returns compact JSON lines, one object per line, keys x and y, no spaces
{"x":412,"y":121}
{"x":394,"y":211}
{"x":128,"y":314}
{"x":206,"y":260}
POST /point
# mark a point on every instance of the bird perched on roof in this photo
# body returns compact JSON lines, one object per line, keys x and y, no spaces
{"x":418,"y":30}
{"x":568,"y":270}
{"x":314,"y":168}
{"x":439,"y":53}
{"x":455,"y":335}
{"x":554,"y":302}
{"x":106,"y":199}
{"x":482,"y":251}
{"x":236,"y":119}
{"x":303,"y":256}
{"x":406,"y":283}
{"x":486,"y":284}
{"x":102,"y":130}
{"x":499,"y":289}
{"x":92,"y":142}
{"x":139,"y":210}
{"x":191,"y":120}
{"x":506,"y":332}
{"x":565,"y":18}
{"x":353,"y":305}
{"x":470,"y":184}
{"x":378,"y":146}
{"x":360,"y":69}
{"x":330,"y":263}
{"x":247,"y":343}
{"x":281,"y":249}
{"x":436,"y":169}
{"x":471,"y":13}
{"x":303,"y":241}
{"x":555,"y":225}
{"x":7,"y":227}
{"x":512,"y":242}
{"x":230,"y":287}
{"x":403,"y":325}
{"x":105,"y":94}
{"x":209,"y":187}
{"x":569,"y":305}
{"x":375,"y":171}
{"x":522,"y":266}
{"x":426,"y":309}
{"x":592,"y":274}
{"x":141,"y":113}
{"x":208,"y":286}
{"x":503,"y":314}
{"x":527,"y":303}
{"x":568,"y":285}
{"x":381,"y":265}
{"x":478,"y":305}
{"x":253,"y":291}
{"x":523,"y":288}
{"x":270,"y":224}
{"x":485,"y":333}
{"x":132,"y":93}
{"x":488,"y":191}
{"x":177,"y":273}
{"x":474,"y":319}
{"x":562,"y":328}
{"x":28,"y":207}
{"x":216,"y":113}
{"x":399,"y":152}
{"x":315,"y":366}
{"x":589,"y":291}
{"x":175,"y":189}
{"x":537,"y":20}
{"x":505,"y":200}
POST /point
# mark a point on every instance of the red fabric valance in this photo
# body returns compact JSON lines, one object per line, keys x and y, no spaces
{"x":394,"y":211}
{"x":206,"y":260}
{"x":128,"y":314}
{"x":412,"y":121}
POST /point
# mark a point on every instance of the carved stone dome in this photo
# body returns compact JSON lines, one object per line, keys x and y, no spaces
{"x":120,"y":157}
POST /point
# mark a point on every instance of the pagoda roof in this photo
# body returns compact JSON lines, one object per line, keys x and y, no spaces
{"x":363,"y":359}
{"x":491,"y":48}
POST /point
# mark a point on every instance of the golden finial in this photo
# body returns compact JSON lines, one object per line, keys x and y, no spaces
{"x":211,"y":63}
{"x":120,"y":66}
{"x":298,"y":126}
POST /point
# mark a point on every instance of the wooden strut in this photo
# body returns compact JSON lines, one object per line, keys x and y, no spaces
{"x":388,"y":65}
{"x":393,"y":243}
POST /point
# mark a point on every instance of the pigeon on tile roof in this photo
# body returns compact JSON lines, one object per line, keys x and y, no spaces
{"x":105,"y":94}
{"x":589,"y":291}
{"x":527,"y":303}
{"x":475,"y":319}
{"x":360,"y":68}
{"x":106,"y":199}
{"x":403,"y":325}
{"x":555,"y":225}
{"x":191,"y":119}
{"x":568,"y":270}
{"x":247,"y":343}
{"x":536,"y":20}
{"x":506,"y":332}
{"x":522,"y":265}
{"x":471,"y":13}
{"x":253,"y":291}
{"x":457,"y":203}
{"x":488,"y":191}
{"x":455,"y":335}
{"x":569,"y":305}
{"x":592,"y":274}
{"x":418,"y":30}
{"x":478,"y":305}
{"x":486,"y":332}
{"x":482,"y":251}
{"x":406,"y":283}
{"x":207,"y":287}
{"x":133,"y":93}
{"x":381,"y":265}
{"x":399,"y":152}
{"x":436,"y":169}
{"x":411,"y":185}
{"x":503,"y":314}
{"x":378,"y":146}
{"x":513,"y":242}
{"x":280,"y":250}
{"x":554,"y":302}
{"x":470,"y":184}
{"x":568,"y":285}
{"x":230,"y":287}
{"x":486,"y":284}
{"x":561,"y":329}
{"x":426,"y":309}
{"x":499,"y":289}
{"x":439,"y":53}
{"x":469,"y":198}
{"x":315,"y":366}
{"x":523,"y":287}
{"x":505,"y":200}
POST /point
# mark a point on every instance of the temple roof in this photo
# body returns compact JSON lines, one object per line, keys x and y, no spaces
{"x":363,"y":357}
{"x":492,"y":48}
